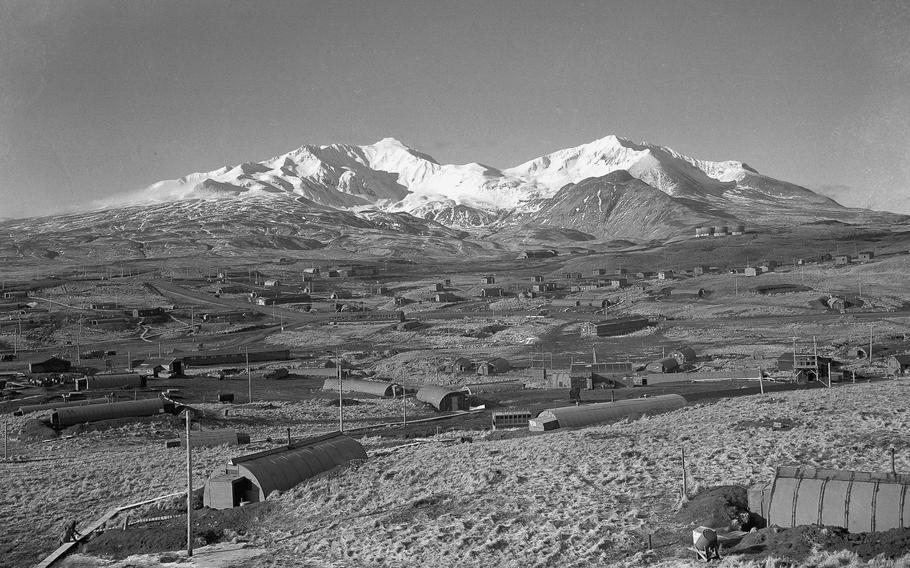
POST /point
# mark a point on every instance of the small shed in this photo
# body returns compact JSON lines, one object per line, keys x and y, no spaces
{"x":272,"y":283}
{"x":252,"y":478}
{"x":462,"y":365}
{"x":898,"y":364}
{"x":488,"y":280}
{"x":491,"y":292}
{"x":438,"y":287}
{"x":361,"y":386}
{"x":842,"y":260}
{"x":604,"y":412}
{"x":751,"y":271}
{"x":865,"y":256}
{"x":442,"y":398}
{"x":700,"y":269}
{"x":210,"y":438}
{"x":493,"y":366}
{"x":538,"y":278}
{"x":511,"y":418}
{"x":665,"y":275}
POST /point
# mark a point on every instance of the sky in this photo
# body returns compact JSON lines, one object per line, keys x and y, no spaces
{"x":102,"y":97}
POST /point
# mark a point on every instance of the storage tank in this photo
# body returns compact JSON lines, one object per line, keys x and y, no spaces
{"x":604,"y":412}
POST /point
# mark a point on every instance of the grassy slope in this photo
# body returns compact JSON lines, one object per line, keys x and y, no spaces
{"x":575,"y":498}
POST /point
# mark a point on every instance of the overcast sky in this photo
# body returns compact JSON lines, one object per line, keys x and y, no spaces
{"x":103,"y":97}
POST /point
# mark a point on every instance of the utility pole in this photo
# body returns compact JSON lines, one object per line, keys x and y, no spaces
{"x":404,"y":408}
{"x":871,"y":327}
{"x":189,"y":488}
{"x":340,"y":394}
{"x":249,"y":377}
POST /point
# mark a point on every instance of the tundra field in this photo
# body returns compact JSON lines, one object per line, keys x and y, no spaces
{"x":446,"y":489}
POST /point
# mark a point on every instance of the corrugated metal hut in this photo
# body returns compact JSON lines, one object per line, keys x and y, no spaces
{"x":111,"y":381}
{"x":361,"y":386}
{"x":668,"y":364}
{"x":683,"y":355}
{"x":858,"y":501}
{"x":493,"y":366}
{"x":898,"y":364}
{"x":603,"y":412}
{"x":63,"y":417}
{"x":29,"y":408}
{"x":252,"y":478}
{"x":442,"y":398}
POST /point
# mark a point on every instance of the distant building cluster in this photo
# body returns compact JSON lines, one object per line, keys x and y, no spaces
{"x":720,"y":231}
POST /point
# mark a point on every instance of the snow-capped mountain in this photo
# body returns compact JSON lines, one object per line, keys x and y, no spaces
{"x":390,"y":176}
{"x":387,"y":175}
{"x":679,"y":191}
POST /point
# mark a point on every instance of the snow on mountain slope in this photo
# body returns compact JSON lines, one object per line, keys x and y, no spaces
{"x":392,"y":177}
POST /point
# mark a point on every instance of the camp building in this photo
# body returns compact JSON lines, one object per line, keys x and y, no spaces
{"x":441,"y":398}
{"x":252,"y":478}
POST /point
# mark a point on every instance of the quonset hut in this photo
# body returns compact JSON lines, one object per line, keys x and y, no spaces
{"x":360,"y":386}
{"x":111,"y":381}
{"x":858,"y":501}
{"x":603,"y":412}
{"x":251,"y":478}
{"x":442,"y":398}
{"x":63,"y":417}
{"x":29,"y":408}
